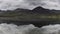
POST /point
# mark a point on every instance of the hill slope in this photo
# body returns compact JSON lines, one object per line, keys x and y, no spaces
{"x":37,"y":14}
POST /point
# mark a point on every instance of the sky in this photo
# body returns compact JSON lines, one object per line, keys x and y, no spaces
{"x":29,"y":4}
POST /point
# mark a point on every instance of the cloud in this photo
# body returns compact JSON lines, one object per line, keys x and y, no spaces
{"x":51,"y":4}
{"x":14,"y":4}
{"x":48,"y":4}
{"x":29,"y":4}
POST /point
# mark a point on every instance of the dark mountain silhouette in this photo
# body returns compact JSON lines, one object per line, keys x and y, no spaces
{"x":38,"y":9}
{"x":18,"y":10}
{"x":41,"y":10}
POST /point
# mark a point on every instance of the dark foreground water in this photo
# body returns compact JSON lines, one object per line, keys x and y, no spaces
{"x":36,"y":23}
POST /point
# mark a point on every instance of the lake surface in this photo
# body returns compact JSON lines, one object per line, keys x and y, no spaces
{"x":29,"y":29}
{"x":36,"y":23}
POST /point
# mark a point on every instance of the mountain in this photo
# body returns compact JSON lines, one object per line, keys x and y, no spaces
{"x":29,"y":15}
{"x":42,"y":10}
{"x":39,"y":10}
{"x":18,"y":10}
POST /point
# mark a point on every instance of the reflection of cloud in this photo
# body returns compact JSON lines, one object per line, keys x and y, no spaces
{"x":51,"y":29}
{"x":29,"y":29}
{"x":29,"y":4}
{"x":13,"y":29}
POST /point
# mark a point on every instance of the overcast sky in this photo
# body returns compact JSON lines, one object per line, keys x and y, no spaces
{"x":29,"y":4}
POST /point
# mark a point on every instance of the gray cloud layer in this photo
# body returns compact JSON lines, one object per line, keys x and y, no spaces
{"x":29,"y":4}
{"x":48,"y":4}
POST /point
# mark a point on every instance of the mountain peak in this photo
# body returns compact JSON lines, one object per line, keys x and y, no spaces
{"x":39,"y":8}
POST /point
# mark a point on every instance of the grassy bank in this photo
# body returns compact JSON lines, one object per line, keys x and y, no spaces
{"x":21,"y":16}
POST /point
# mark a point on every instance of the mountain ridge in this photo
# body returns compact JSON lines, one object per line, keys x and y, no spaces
{"x":38,"y":9}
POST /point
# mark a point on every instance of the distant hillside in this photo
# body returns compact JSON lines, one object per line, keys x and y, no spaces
{"x":37,"y":14}
{"x":37,"y":10}
{"x":42,"y":10}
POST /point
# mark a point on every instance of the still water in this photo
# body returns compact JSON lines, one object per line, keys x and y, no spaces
{"x":29,"y":29}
